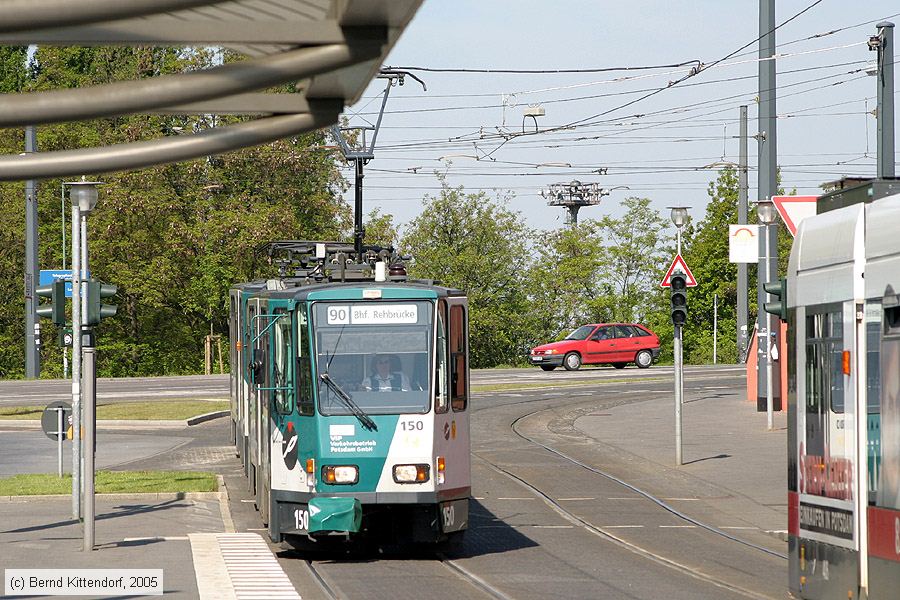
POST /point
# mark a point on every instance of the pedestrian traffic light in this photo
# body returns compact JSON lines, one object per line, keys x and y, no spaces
{"x":96,"y":310}
{"x":678,"y":287}
{"x":56,"y":310}
{"x":779,"y":290}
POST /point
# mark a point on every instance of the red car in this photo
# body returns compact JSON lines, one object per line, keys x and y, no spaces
{"x":615,"y":344}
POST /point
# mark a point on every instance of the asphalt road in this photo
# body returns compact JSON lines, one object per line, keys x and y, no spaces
{"x":24,"y":392}
{"x":530,"y":536}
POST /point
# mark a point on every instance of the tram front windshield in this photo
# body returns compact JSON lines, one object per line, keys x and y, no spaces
{"x":377,"y":353}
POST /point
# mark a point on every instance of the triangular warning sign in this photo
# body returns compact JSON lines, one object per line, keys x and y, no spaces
{"x":679,"y":265}
{"x":794,"y":209}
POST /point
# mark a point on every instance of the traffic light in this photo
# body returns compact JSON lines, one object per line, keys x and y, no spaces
{"x":779,"y":290}
{"x":96,"y":310}
{"x":678,"y":287}
{"x":56,"y":310}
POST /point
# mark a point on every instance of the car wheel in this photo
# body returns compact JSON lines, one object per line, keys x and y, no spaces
{"x":643,"y":359}
{"x":548,"y":367}
{"x":619,"y":365}
{"x":572,"y":361}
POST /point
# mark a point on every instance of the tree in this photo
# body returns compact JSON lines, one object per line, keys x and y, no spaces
{"x":634,"y":254}
{"x":565,"y":282}
{"x":475,"y":243}
{"x":173,"y":238}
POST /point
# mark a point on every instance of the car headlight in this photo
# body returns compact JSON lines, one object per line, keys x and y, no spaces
{"x":340,"y":474}
{"x":411,"y":473}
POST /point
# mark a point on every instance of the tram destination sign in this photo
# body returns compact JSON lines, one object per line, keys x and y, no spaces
{"x":373,"y":314}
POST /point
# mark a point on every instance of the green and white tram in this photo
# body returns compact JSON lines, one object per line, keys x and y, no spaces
{"x":843,"y":298}
{"x":350,"y":394}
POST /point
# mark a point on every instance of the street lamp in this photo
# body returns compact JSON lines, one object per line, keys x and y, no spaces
{"x":765,"y":211}
{"x":83,"y":197}
{"x":680,"y":218}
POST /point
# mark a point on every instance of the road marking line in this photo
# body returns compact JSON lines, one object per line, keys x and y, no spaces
{"x":572,"y":499}
{"x":677,"y":526}
{"x":553,"y":526}
{"x":627,"y":498}
{"x":621,"y":526}
{"x":515,"y":498}
{"x":683,"y":499}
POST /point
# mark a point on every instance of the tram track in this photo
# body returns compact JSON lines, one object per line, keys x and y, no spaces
{"x":333,"y":592}
{"x":619,"y":541}
{"x":604,"y":533}
{"x":658,"y":501}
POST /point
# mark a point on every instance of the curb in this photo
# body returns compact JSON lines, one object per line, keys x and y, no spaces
{"x":34,"y":424}
{"x":159,"y":496}
{"x":207,"y":417}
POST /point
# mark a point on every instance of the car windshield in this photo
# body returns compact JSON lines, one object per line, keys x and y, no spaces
{"x":581,"y":333}
{"x":378,"y":353}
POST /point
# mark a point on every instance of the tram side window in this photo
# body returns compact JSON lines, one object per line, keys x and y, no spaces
{"x":305,"y":403}
{"x":282,"y":365}
{"x":873,"y":361}
{"x":248,"y":337}
{"x":824,"y":370}
{"x":458,"y":392}
{"x":441,"y":393}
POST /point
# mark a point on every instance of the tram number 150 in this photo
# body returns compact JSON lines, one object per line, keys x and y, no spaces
{"x":301,"y":519}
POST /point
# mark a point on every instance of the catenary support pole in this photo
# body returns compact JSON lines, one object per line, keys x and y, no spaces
{"x":885,"y":111}
{"x":32,"y":323}
{"x":767,"y":174}
{"x":743,"y":312}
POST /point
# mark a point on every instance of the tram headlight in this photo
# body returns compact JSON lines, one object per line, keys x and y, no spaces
{"x":411,"y":473}
{"x":340,"y":474}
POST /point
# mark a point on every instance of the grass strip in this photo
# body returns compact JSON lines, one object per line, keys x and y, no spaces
{"x":164,"y":410}
{"x":111,"y":482}
{"x":503,"y":387}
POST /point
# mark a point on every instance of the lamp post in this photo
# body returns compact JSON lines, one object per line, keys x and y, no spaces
{"x":765,"y":211}
{"x":680,"y":217}
{"x":83,"y":197}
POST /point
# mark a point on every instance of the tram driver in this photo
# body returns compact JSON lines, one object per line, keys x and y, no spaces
{"x":387,"y":377}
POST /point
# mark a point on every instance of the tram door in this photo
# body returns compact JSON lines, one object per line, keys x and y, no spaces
{"x":888,"y":494}
{"x":263,"y":484}
{"x":253,"y":330}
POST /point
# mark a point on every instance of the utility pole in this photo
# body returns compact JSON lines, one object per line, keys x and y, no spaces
{"x":883,"y":43}
{"x":767,"y":180}
{"x":32,"y":324}
{"x":743,"y":311}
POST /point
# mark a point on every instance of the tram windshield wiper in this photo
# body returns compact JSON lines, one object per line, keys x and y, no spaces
{"x":351,"y":405}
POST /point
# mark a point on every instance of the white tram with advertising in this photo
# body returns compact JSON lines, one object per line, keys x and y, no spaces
{"x":843,"y":299}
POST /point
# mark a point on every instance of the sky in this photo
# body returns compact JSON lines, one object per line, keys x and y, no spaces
{"x":660,"y":147}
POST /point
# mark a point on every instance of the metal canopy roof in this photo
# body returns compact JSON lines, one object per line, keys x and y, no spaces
{"x":330,"y":48}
